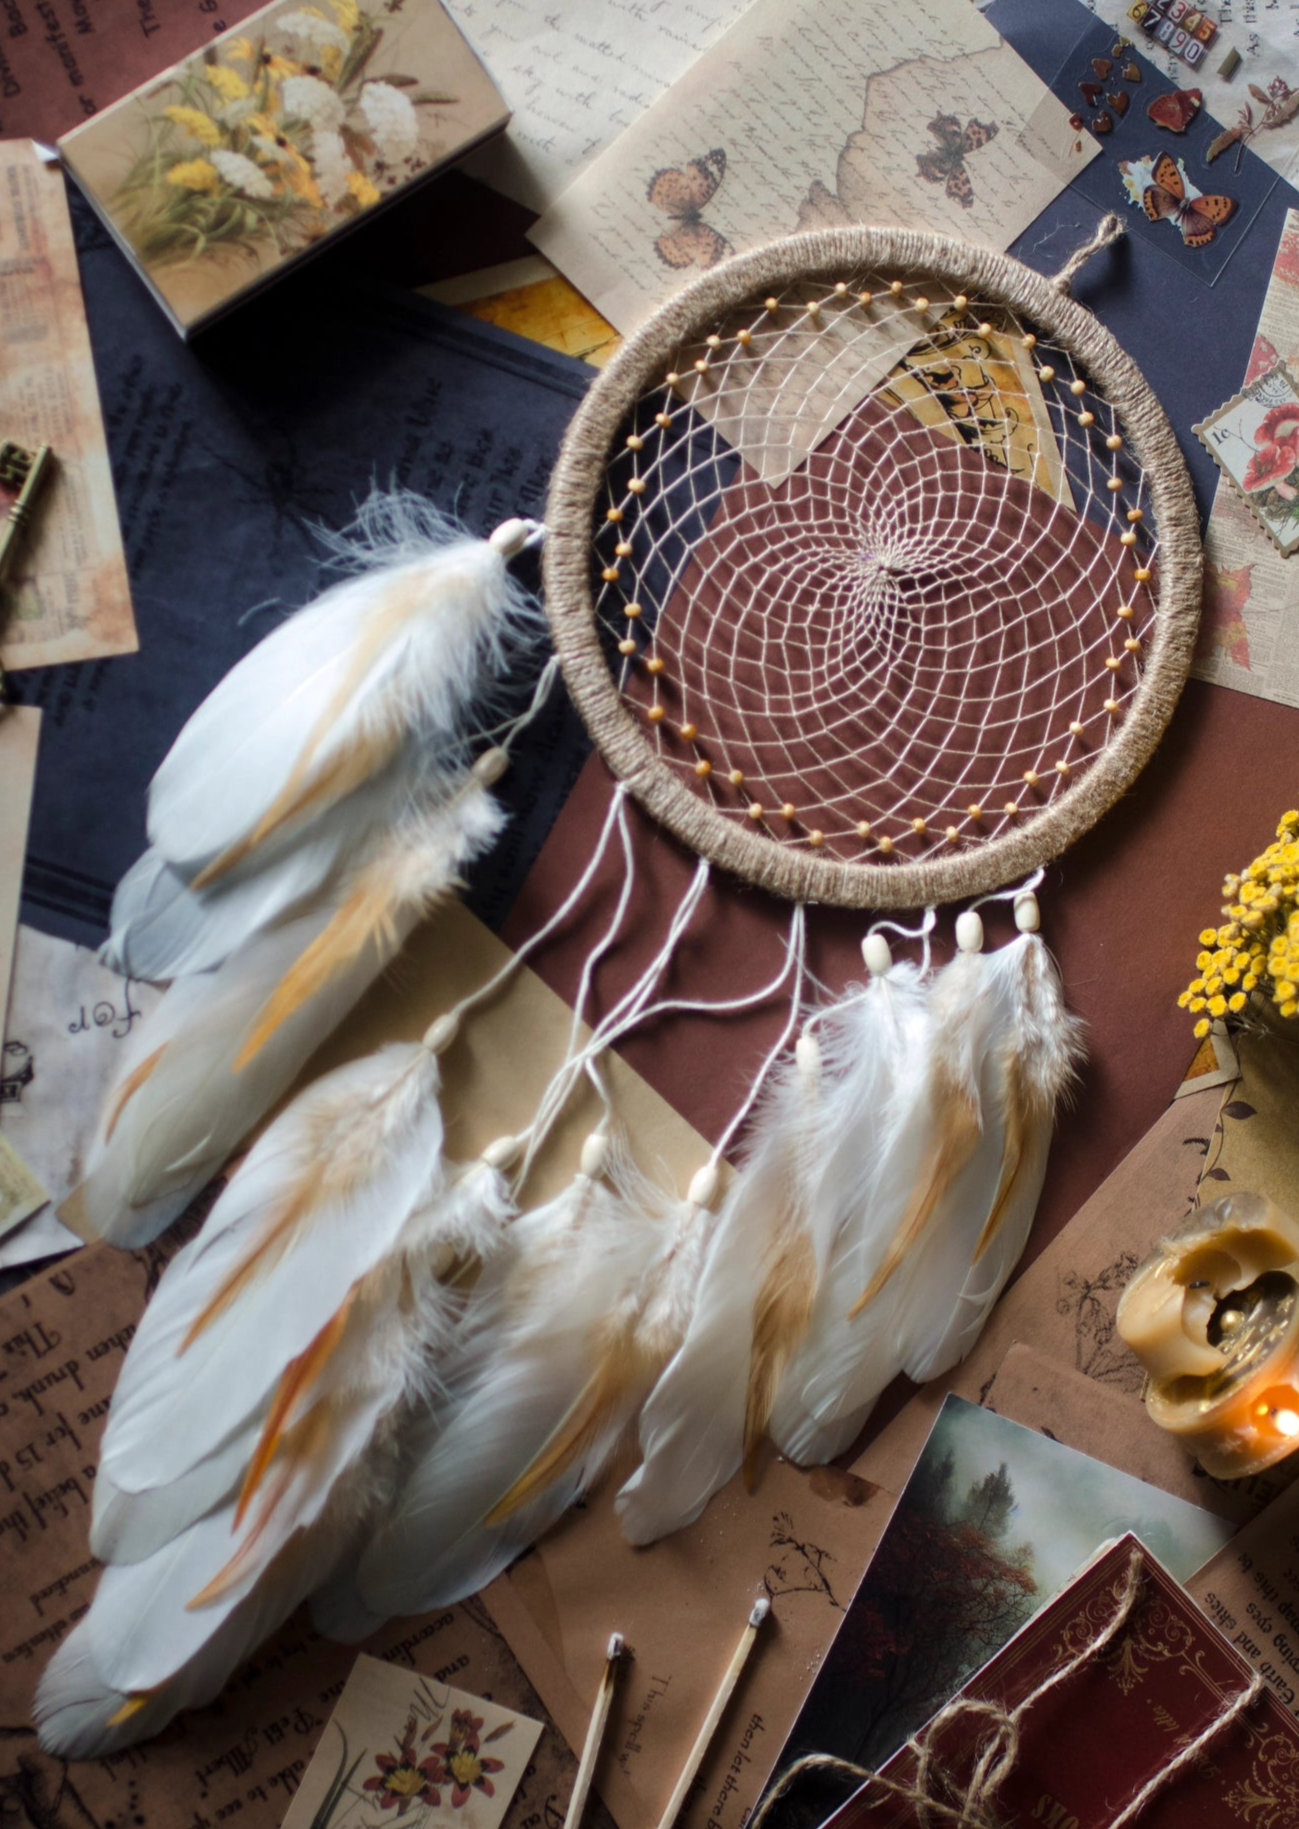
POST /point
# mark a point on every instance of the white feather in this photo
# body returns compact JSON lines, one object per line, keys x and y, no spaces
{"x":567,"y":1340}
{"x":763,"y":1266}
{"x":166,"y":1629}
{"x":1033,"y":1070}
{"x":164,"y":1136}
{"x":322,"y":1198}
{"x":875,"y":1052}
{"x":163,"y":928}
{"x":392,"y":655}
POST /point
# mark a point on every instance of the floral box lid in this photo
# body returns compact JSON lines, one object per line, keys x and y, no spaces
{"x":278,"y":136}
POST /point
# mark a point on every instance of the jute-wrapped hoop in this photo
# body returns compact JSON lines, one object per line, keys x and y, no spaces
{"x":799,"y":873}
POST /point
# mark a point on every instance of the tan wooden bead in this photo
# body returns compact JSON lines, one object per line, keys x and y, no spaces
{"x":626,"y":645}
{"x":703,"y":768}
{"x":689,"y":732}
{"x":656,"y":714}
{"x":789,"y":810}
{"x":755,"y":809}
{"x":656,"y":665}
{"x":736,"y":777}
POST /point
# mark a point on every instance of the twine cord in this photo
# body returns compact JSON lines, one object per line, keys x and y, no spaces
{"x":938,"y":1801}
{"x":1110,"y":231}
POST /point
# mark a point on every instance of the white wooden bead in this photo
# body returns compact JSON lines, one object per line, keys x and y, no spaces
{"x":1028,"y":916}
{"x":807,"y":1057}
{"x":595,"y":1154}
{"x":440,"y":1034}
{"x":969,"y":931}
{"x":703,"y":1186}
{"x":511,"y":537}
{"x":877,"y":955}
{"x":490,"y":766}
{"x":503,"y":1152}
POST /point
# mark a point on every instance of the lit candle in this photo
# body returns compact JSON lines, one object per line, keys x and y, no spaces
{"x":1213,"y":1316}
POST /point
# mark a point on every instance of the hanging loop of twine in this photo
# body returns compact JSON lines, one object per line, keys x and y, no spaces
{"x":1110,"y":230}
{"x":940,"y":1803}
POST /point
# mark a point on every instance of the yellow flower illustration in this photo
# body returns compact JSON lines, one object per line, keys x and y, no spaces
{"x":347,"y":13}
{"x":299,"y":180}
{"x":195,"y":122}
{"x":194,"y":175}
{"x":229,"y":85}
{"x":241,"y":50}
{"x":363,"y":189}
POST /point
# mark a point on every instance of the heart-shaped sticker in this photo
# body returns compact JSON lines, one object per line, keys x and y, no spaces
{"x":1104,"y":123}
{"x":1102,"y":66}
{"x":1091,"y":93}
{"x":1118,"y":102}
{"x":1131,"y":72}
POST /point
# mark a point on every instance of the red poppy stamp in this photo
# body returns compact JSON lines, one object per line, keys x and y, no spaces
{"x":1254,"y":440}
{"x":404,"y":1749}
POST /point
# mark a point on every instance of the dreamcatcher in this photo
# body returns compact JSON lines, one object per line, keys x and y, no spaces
{"x":871,"y":565}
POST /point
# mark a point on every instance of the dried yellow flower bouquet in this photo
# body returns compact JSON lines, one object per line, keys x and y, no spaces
{"x":1257,"y":947}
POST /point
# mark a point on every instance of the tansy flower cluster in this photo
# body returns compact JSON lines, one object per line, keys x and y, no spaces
{"x":1257,"y":947}
{"x":274,"y":139}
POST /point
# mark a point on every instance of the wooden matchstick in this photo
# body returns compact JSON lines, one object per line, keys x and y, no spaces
{"x":725,"y":1689}
{"x":595,"y":1732}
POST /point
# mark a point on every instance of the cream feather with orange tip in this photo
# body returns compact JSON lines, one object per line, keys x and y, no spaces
{"x":257,"y":1428}
{"x":950,"y":1182}
{"x":316,"y":806}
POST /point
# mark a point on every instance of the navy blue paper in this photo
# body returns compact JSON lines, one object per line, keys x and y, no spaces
{"x":226,"y":456}
{"x":1191,"y":339}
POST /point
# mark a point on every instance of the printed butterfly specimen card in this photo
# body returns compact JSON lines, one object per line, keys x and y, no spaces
{"x":1267,"y":36}
{"x":1249,"y":634}
{"x":1168,"y":169}
{"x":816,"y":115}
{"x":276,"y":137}
{"x":400,"y":1742}
{"x":67,"y":596}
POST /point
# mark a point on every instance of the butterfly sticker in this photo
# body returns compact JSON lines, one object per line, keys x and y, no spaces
{"x":1165,"y":200}
{"x":945,"y":163}
{"x":683,"y":195}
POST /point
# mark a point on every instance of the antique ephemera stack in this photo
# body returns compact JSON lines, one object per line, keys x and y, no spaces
{"x":279,"y":136}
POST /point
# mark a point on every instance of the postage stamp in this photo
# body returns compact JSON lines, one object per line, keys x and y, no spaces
{"x":1254,"y":440}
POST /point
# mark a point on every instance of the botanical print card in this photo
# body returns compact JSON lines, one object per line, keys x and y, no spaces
{"x":1254,"y":440}
{"x":67,"y":598}
{"x":280,"y":134}
{"x":816,"y":115}
{"x":992,"y":1523}
{"x":408,"y":1748}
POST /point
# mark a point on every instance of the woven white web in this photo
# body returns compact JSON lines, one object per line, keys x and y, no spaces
{"x":876,"y":568}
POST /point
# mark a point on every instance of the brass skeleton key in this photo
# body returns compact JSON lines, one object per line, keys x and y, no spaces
{"x":26,"y":471}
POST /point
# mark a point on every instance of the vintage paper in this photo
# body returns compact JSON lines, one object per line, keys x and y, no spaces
{"x":1267,"y":38}
{"x":992,"y":1523}
{"x":1250,"y":1590}
{"x":20,"y":729}
{"x":400,"y":1742}
{"x":530,"y":298}
{"x":67,"y":598}
{"x":984,"y":391}
{"x":575,"y":77}
{"x":21,"y":1194}
{"x":1254,"y":440}
{"x":811,"y":116}
{"x":238,"y":162}
{"x":69,"y":1019}
{"x":63,"y":60}
{"x":62,"y":1338}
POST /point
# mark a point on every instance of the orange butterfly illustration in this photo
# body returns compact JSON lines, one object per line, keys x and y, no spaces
{"x":1166,"y":201}
{"x":945,"y":163}
{"x":684,"y":196}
